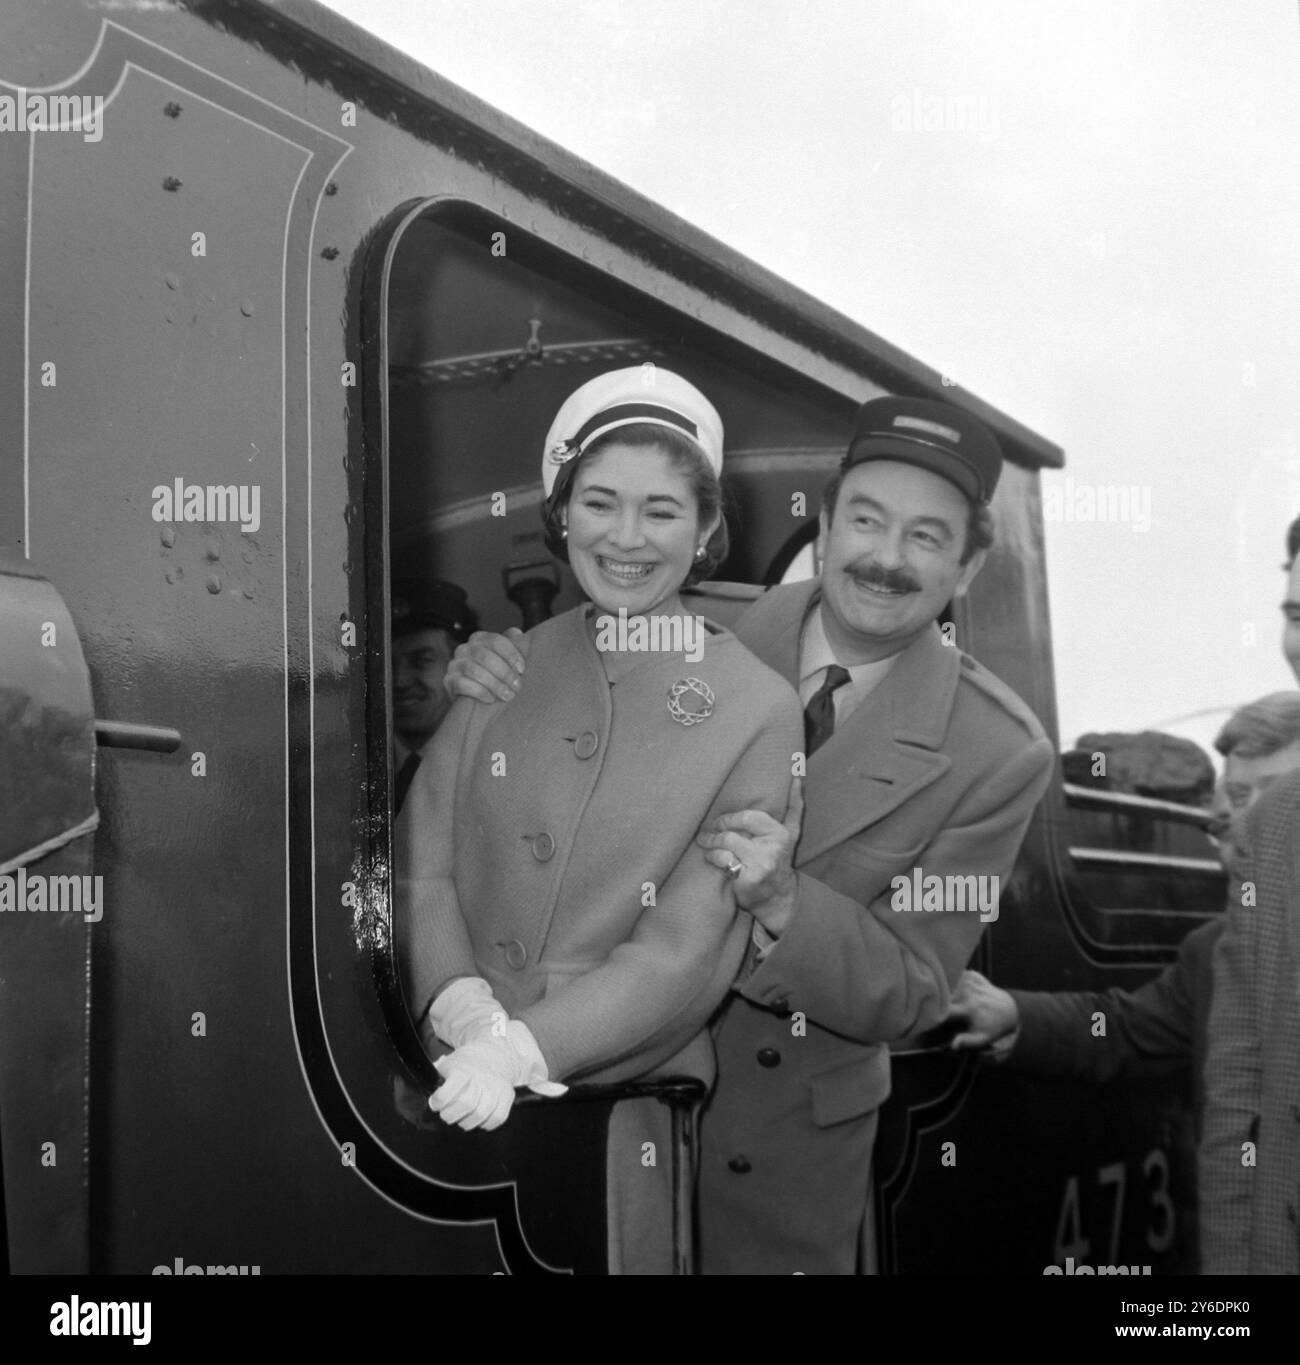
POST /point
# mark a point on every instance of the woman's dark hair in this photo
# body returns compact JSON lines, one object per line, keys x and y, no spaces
{"x":685,"y":457}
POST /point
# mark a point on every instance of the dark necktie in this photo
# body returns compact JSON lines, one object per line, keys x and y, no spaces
{"x":402,"y":783}
{"x":819,"y":714}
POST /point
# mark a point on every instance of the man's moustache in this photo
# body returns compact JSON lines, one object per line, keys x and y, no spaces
{"x":891,"y":582}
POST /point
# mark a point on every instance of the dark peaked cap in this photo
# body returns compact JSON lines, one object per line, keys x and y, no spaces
{"x":933,"y":435}
{"x":432,"y":605}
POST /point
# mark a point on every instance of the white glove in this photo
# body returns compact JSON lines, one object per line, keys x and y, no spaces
{"x":463,"y":1010}
{"x":481,"y":1075}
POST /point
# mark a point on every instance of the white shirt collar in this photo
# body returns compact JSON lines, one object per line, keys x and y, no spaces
{"x":816,"y":656}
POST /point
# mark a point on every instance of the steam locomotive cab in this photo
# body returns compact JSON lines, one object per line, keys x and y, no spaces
{"x":294,"y":263}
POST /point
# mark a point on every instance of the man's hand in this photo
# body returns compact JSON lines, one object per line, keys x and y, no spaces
{"x":764,"y":849}
{"x":487,"y":666}
{"x":988,"y":1015}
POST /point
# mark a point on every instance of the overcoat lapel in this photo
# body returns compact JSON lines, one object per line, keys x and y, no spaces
{"x":888,"y":749}
{"x":772,"y":626}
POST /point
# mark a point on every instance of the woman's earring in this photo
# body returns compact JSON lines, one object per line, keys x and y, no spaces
{"x":699,"y":554}
{"x":564,"y":533}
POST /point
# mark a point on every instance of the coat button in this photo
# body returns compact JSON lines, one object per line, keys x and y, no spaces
{"x":768,"y":1056}
{"x":543,"y":848}
{"x":781,"y":1004}
{"x":516,"y":955}
{"x":739,"y":1164}
{"x":586,"y":744}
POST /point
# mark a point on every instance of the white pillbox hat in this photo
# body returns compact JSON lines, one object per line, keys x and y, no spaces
{"x":640,"y":393}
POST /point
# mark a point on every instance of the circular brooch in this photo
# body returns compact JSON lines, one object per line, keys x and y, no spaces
{"x":690,"y":701}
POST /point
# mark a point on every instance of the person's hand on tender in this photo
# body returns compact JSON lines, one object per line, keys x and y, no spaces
{"x":488,"y":666}
{"x":757,"y":852}
{"x":987,"y":1014}
{"x":480,"y":1076}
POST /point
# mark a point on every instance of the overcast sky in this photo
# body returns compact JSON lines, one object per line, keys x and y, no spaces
{"x":1086,"y":213}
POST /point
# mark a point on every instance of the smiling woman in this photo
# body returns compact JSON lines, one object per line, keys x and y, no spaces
{"x":640,"y":520}
{"x":640,"y":512}
{"x":556,"y":919}
{"x":639,"y":515}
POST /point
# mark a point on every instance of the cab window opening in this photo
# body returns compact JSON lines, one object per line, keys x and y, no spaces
{"x":483,"y":345}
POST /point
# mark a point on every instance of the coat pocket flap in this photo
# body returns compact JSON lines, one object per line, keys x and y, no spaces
{"x":851,"y":1089}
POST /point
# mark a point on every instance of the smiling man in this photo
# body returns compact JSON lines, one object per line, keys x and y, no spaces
{"x":918,"y":760}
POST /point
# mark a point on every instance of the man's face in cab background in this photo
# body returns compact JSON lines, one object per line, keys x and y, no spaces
{"x":419,"y":703}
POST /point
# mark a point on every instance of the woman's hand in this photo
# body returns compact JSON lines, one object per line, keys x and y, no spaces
{"x":487,"y":667}
{"x":480,"y":1077}
{"x":758,"y":852}
{"x":461,"y":1012}
{"x":478,"y":1086}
